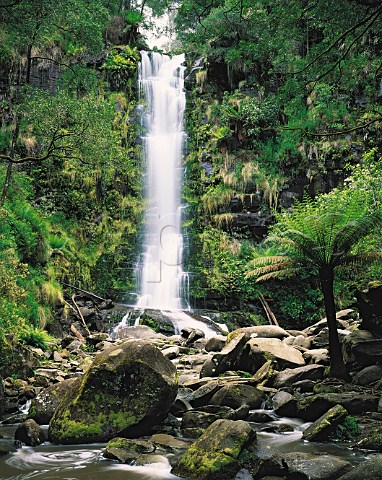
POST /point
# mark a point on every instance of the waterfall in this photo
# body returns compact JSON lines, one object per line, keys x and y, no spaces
{"x":161,"y":81}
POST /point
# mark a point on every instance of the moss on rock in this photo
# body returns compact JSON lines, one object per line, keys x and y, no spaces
{"x":217,"y":454}
{"x":127,"y":390}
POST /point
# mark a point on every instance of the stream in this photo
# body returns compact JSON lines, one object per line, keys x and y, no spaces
{"x":86,"y":462}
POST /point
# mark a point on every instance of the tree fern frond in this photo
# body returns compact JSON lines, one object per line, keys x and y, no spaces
{"x":279,"y":275}
{"x":361,"y":259}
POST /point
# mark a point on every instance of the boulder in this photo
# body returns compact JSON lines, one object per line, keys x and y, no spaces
{"x":326,"y":425}
{"x":227,"y":359}
{"x":368,"y":375}
{"x":168,"y":443}
{"x":370,"y":469}
{"x":304,"y":466}
{"x":236,"y":395}
{"x":318,"y":356}
{"x":262,"y":331}
{"x":30,"y":433}
{"x":274,"y":347}
{"x":312,"y":407}
{"x":125,"y":450}
{"x":203,"y":394}
{"x":353,"y":339}
{"x":45,"y":404}
{"x":290,"y":376}
{"x":219,"y":453}
{"x":368,"y":352}
{"x":126,"y":392}
{"x":139,"y":332}
{"x":216,"y":344}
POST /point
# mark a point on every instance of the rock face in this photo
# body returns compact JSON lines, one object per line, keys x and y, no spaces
{"x":369,"y":304}
{"x":217,"y":454}
{"x":127,"y":390}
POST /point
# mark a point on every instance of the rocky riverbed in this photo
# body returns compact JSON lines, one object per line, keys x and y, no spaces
{"x":256,"y":404}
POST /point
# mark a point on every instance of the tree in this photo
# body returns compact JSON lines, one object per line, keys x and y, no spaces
{"x":320,"y":236}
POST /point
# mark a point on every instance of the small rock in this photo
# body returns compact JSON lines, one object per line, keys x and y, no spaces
{"x":30,"y":433}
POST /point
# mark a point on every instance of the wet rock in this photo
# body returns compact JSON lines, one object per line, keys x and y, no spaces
{"x":326,"y":425}
{"x":373,"y":441}
{"x":308,"y":467}
{"x":281,"y":398}
{"x":126,"y":392}
{"x":368,"y":375}
{"x":152,"y":459}
{"x":219,"y":453}
{"x":125,"y":450}
{"x":169,"y":443}
{"x":30,"y":433}
{"x":237,"y":395}
{"x":274,"y":347}
{"x":259,"y":417}
{"x":290,"y":376}
{"x":8,"y":445}
{"x":45,"y":404}
{"x":370,"y":469}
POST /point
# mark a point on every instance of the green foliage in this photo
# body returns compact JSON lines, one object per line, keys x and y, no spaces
{"x":348,"y":429}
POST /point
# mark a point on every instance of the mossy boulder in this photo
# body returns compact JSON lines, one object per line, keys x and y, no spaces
{"x":326,"y":425}
{"x":126,"y":450}
{"x":126,"y":392}
{"x":219,"y":453}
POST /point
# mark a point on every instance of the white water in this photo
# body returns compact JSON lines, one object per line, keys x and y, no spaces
{"x":161,"y":274}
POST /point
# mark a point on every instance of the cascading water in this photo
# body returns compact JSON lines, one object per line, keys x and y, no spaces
{"x":161,"y":275}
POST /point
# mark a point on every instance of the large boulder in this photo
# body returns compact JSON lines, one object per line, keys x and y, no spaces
{"x":370,"y":469}
{"x":126,"y":392}
{"x":286,"y":355}
{"x":236,"y":395}
{"x":304,"y":466}
{"x":45,"y":404}
{"x":289,"y":376}
{"x":219,"y":453}
{"x":263,"y":331}
{"x":373,"y":441}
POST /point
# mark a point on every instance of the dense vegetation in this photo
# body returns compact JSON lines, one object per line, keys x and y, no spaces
{"x":285,"y":103}
{"x":70,"y":179}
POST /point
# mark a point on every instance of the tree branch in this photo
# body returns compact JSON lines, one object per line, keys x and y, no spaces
{"x":341,"y":37}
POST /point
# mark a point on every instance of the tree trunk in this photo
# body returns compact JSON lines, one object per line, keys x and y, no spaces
{"x":29,"y":64}
{"x":337,"y":366}
{"x":6,"y":184}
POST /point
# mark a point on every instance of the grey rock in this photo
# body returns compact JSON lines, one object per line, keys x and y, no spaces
{"x":30,"y":433}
